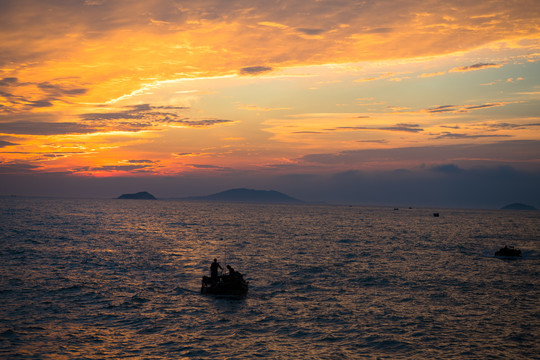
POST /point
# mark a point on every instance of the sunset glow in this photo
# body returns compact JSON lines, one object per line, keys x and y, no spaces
{"x":261,"y":89}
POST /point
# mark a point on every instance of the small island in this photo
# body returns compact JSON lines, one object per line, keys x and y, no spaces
{"x":143,"y":195}
{"x":518,"y":206}
{"x":247,"y":195}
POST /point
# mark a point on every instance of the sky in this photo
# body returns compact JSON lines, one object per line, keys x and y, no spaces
{"x":376,"y":102}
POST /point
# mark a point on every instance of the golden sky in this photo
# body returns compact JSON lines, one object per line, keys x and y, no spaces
{"x":164,"y":87}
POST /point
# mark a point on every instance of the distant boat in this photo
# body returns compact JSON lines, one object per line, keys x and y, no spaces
{"x":508,"y":251}
{"x":227,"y":285}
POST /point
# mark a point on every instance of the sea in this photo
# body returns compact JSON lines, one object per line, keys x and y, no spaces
{"x":120,"y":279}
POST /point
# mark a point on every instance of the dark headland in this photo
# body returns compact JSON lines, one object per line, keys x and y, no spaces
{"x":518,"y":206}
{"x":247,"y":195}
{"x":143,"y":195}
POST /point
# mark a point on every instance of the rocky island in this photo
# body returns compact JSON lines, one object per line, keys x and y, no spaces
{"x":247,"y":195}
{"x":518,"y":206}
{"x":143,"y":195}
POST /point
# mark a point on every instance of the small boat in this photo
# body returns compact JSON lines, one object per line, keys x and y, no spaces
{"x":509,"y":251}
{"x":228,"y":285}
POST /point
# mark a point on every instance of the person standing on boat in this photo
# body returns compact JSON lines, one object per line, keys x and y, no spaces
{"x":214,"y":271}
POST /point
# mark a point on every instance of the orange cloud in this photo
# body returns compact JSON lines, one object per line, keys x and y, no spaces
{"x":258,"y":108}
{"x":439,"y":73}
{"x":75,"y":77}
{"x":382,"y":76}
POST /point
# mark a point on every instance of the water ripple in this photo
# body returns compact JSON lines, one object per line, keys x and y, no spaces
{"x":98,"y":279}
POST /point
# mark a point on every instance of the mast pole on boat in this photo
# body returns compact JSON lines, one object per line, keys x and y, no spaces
{"x":225,"y":264}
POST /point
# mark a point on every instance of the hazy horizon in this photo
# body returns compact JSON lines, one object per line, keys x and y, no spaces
{"x":398,"y":193}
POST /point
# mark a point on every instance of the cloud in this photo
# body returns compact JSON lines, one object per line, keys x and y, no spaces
{"x":4,"y":143}
{"x":379,"y":30}
{"x":477,"y":66}
{"x":444,"y":185}
{"x":447,"y":168}
{"x":40,"y":103}
{"x":9,"y":81}
{"x":512,"y":80}
{"x":221,"y":28}
{"x":461,"y":108}
{"x":45,"y":128}
{"x":309,"y":31}
{"x":203,"y":122}
{"x":483,"y":106}
{"x":376,"y":141}
{"x":510,"y":151}
{"x":94,"y":51}
{"x":442,"y":108}
{"x":307,"y":132}
{"x":209,"y":167}
{"x":142,"y":161}
{"x":255,"y":70}
{"x":258,"y":108}
{"x":186,"y":154}
{"x":439,"y":73}
{"x":204,"y":166}
{"x":17,"y":168}
{"x":273,"y":24}
{"x":382,"y":76}
{"x":148,"y":117}
{"x":414,"y":128}
{"x":512,"y":126}
{"x":56,"y":90}
{"x":43,"y":94}
{"x":114,"y":168}
{"x":449,"y":135}
{"x":40,"y":155}
{"x":136,"y":112}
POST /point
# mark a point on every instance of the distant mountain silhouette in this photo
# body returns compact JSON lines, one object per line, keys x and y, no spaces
{"x":247,"y":195}
{"x":143,"y":195}
{"x":518,"y":206}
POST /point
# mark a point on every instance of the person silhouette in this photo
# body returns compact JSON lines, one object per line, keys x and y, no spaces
{"x":232,"y":273}
{"x":214,"y":271}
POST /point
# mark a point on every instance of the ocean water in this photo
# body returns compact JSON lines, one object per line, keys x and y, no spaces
{"x":113,"y":279}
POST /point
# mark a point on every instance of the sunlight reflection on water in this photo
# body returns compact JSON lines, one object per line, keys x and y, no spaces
{"x":108,"y":279}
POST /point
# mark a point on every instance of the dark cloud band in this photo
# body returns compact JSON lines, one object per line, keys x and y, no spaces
{"x":255,"y":70}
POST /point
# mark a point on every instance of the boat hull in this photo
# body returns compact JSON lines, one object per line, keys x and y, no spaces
{"x":227,"y":287}
{"x":508,"y":251}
